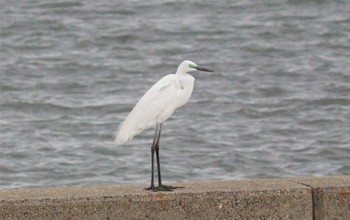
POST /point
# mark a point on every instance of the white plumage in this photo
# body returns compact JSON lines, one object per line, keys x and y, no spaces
{"x":156,"y":106}
{"x":158,"y":103}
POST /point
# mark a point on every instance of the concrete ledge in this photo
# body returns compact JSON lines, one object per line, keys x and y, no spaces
{"x":331,"y":196}
{"x":295,"y":198}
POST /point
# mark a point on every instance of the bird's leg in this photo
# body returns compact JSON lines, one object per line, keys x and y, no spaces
{"x":152,"y":174}
{"x":160,"y":187}
{"x":153,"y":148}
{"x":157,"y":153}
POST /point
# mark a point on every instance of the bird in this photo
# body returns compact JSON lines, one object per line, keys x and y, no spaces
{"x":155,"y":107}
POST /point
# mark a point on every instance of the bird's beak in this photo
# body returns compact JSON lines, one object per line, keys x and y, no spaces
{"x":204,"y":69}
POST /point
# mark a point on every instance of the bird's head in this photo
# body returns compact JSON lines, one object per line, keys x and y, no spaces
{"x":189,"y":66}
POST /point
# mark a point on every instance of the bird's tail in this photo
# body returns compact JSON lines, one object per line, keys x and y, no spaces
{"x":121,"y":138}
{"x":130,"y":128}
{"x":124,"y":134}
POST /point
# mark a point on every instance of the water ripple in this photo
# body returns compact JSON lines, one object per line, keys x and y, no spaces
{"x":277,"y":105}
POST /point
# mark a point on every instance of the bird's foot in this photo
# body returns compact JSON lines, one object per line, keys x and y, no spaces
{"x":152,"y":188}
{"x":165,"y":188}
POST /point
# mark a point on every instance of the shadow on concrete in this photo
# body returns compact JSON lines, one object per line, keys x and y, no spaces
{"x":165,"y":188}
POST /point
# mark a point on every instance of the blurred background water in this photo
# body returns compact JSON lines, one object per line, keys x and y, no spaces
{"x":278,"y":104}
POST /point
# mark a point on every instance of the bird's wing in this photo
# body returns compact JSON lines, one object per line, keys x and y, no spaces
{"x":144,"y":115}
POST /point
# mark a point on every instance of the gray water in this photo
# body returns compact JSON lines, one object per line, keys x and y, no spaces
{"x":278,"y":104}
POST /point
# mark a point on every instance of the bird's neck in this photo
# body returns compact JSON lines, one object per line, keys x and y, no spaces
{"x":180,"y":74}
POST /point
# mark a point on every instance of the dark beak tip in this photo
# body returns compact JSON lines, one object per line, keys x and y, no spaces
{"x":204,"y":69}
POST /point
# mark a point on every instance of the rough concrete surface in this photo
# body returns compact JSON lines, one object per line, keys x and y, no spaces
{"x":239,"y":199}
{"x":331,"y":196}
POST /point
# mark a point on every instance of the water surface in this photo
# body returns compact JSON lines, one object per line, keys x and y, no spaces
{"x":278,"y":104}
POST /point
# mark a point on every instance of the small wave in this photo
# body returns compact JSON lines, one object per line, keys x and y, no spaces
{"x":256,"y":114}
{"x":329,"y":102}
{"x":66,"y":4}
{"x":33,"y":106}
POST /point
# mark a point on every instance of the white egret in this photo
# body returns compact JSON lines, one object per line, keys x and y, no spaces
{"x":156,"y":106}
